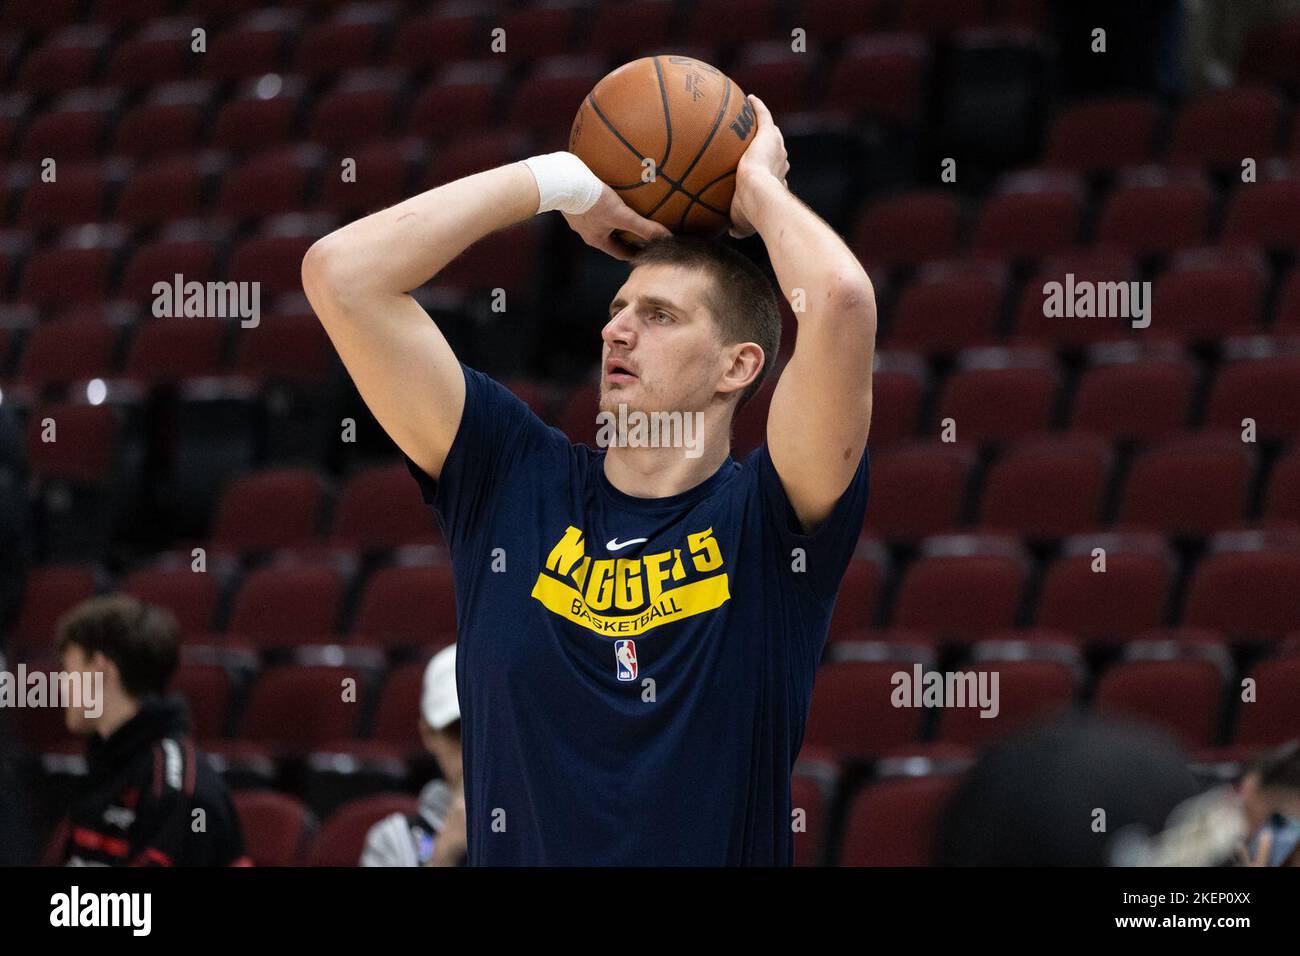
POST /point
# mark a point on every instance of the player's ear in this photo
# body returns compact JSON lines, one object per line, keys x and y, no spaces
{"x":745,"y":363}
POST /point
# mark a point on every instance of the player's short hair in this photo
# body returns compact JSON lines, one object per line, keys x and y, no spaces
{"x":743,"y":300}
{"x":142,"y":640}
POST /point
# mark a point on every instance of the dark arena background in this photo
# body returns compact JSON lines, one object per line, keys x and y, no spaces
{"x":1095,"y":498}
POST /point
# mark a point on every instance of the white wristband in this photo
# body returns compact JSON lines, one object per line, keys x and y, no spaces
{"x":564,"y":182}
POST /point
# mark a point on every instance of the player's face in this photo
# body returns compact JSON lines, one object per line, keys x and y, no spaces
{"x":76,"y":661}
{"x":661,"y":347}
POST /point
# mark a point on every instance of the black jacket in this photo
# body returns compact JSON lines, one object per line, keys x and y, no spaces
{"x":137,"y":806}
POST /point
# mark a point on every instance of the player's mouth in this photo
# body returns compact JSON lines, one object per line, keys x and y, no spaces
{"x":619,"y":372}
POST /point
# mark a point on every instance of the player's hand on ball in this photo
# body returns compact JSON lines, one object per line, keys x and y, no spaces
{"x":598,"y":225}
{"x":764,"y":157}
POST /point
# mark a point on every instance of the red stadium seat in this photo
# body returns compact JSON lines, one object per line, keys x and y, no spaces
{"x":48,"y":592}
{"x":1272,"y":718}
{"x":1155,"y":215}
{"x":1265,"y":214}
{"x":397,"y":719}
{"x":940,"y":16}
{"x":1047,"y":487}
{"x":407,"y":606}
{"x":540,"y":31}
{"x":898,"y":385}
{"x":1135,"y":396}
{"x":1220,"y":127}
{"x":294,"y":709}
{"x":272,"y":182}
{"x":728,"y":23}
{"x":860,"y":591}
{"x":169,"y":188}
{"x":962,"y":586}
{"x":1103,"y":134}
{"x":896,"y":822}
{"x":808,"y":797}
{"x":1282,"y":501}
{"x":161,"y":261}
{"x":380,"y":509}
{"x":169,"y":122}
{"x":346,"y":41}
{"x":944,"y":310}
{"x":782,"y":75}
{"x":64,"y":61}
{"x":851,"y":714}
{"x":1132,"y":593}
{"x":269,"y":509}
{"x":157,"y":53}
{"x":1059,"y":288}
{"x":998,"y":395}
{"x":191,"y":596}
{"x":629,"y":29}
{"x":261,"y":115}
{"x":74,"y":128}
{"x":460,"y":98}
{"x":880,"y":77}
{"x":85,"y":447}
{"x":1028,"y":691}
{"x":1246,"y":588}
{"x":1181,"y":697}
{"x":831,"y":18}
{"x":343,"y":836}
{"x":277,"y":827}
{"x":67,"y":350}
{"x":172,"y":349}
{"x":253,"y":47}
{"x":544,"y":102}
{"x":1264,"y":387}
{"x":260,"y":352}
{"x":358,"y":110}
{"x":207,"y":692}
{"x":918,"y":489}
{"x":1206,"y":295}
{"x":384,"y":170}
{"x":428,"y":40}
{"x":908,"y":228}
{"x":73,"y":272}
{"x":1190,"y":485}
{"x":278,"y":607}
{"x":1040,"y":217}
{"x":78,"y":195}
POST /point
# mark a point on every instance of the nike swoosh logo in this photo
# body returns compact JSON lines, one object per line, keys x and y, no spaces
{"x":613,"y":544}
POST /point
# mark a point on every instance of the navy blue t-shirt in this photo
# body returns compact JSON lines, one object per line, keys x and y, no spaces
{"x":634,"y":673}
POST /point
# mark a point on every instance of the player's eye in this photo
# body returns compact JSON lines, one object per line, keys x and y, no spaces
{"x":662,"y":317}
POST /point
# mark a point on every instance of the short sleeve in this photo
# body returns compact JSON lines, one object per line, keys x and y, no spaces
{"x":830,"y":547}
{"x":496,"y":430}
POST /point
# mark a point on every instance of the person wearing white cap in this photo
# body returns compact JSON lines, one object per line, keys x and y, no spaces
{"x":435,"y":834}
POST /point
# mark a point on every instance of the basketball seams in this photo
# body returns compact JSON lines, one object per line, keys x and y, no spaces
{"x":676,"y":185}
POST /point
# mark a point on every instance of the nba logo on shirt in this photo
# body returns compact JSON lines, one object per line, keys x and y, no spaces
{"x":625,"y":656}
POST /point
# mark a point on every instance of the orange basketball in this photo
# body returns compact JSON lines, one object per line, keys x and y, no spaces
{"x":666,"y":133}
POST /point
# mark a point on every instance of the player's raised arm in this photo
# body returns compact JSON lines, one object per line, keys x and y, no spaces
{"x":821,"y":409}
{"x":359,"y":278}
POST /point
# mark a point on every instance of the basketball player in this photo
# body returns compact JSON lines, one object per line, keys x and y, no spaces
{"x":639,"y":626}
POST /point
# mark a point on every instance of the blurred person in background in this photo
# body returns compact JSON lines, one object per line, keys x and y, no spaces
{"x":139,"y":803}
{"x":1033,"y":799}
{"x":1270,"y":796}
{"x":435,"y":834}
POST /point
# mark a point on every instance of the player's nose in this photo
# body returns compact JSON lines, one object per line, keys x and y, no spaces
{"x":619,"y":331}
